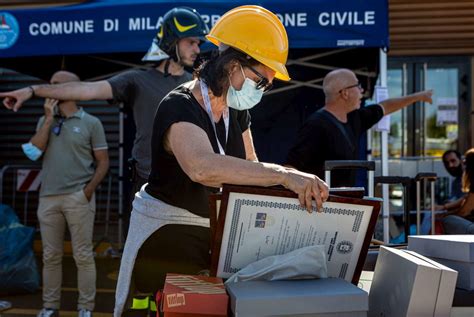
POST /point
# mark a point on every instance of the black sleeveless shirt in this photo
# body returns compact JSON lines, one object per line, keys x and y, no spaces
{"x":167,"y":181}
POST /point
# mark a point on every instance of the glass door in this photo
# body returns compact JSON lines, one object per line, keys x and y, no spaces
{"x":440,"y":121}
{"x":420,"y":133}
{"x":396,"y":81}
{"x":423,"y":129}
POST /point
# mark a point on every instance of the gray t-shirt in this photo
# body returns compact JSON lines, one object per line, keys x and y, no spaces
{"x":68,"y":162}
{"x":142,"y":91}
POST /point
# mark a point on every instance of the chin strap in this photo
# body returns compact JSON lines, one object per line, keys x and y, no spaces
{"x":177,"y":57}
{"x":167,"y":66}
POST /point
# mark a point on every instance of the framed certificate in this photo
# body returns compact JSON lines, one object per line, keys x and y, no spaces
{"x":214,"y":207}
{"x":256,"y":222}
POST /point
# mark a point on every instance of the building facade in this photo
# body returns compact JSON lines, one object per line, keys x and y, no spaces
{"x":431,"y":47}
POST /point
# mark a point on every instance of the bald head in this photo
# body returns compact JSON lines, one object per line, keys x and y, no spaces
{"x":63,"y":76}
{"x":336,"y":80}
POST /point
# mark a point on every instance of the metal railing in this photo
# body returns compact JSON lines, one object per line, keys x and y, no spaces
{"x":27,"y":201}
{"x":13,"y":188}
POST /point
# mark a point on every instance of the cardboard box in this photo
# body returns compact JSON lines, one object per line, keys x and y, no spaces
{"x":453,"y":247}
{"x":447,"y":286}
{"x":462,"y":312}
{"x":320,"y":297}
{"x":408,"y":284}
{"x":454,"y":251}
{"x":194,"y":296}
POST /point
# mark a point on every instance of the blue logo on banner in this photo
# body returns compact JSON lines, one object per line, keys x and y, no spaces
{"x":9,"y":30}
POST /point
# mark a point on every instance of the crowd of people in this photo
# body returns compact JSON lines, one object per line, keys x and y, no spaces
{"x":193,"y":135}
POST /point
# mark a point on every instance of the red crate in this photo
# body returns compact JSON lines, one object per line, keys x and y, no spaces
{"x":193,"y":296}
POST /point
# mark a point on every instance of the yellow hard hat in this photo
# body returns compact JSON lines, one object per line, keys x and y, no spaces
{"x":257,"y":32}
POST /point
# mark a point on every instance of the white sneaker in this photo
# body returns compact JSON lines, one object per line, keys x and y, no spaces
{"x":84,"y":313}
{"x":48,"y":312}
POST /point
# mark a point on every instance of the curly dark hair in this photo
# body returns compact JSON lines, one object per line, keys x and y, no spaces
{"x":468,"y":176}
{"x":445,"y":154}
{"x":215,"y":71}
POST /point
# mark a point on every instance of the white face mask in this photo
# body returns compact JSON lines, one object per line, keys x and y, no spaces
{"x":31,"y":151}
{"x":245,"y":98}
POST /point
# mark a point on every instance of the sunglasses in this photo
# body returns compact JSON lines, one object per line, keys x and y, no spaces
{"x":57,"y":127}
{"x":351,"y":86}
{"x":263,"y":82}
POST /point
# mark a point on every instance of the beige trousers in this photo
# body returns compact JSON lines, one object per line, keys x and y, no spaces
{"x":54,"y":212}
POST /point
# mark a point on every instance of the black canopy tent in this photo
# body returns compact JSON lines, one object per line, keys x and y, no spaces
{"x":97,"y":39}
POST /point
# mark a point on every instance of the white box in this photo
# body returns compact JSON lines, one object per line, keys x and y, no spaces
{"x":453,"y":247}
{"x":447,"y":286}
{"x":408,"y":284}
{"x":327,"y":297}
{"x":462,"y":312}
{"x":365,"y":280}
{"x":454,"y":251}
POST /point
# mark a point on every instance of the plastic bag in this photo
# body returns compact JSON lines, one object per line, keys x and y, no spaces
{"x":305,"y":263}
{"x":18,"y":269}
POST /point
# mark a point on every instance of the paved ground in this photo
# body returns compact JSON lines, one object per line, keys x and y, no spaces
{"x":107,"y":270}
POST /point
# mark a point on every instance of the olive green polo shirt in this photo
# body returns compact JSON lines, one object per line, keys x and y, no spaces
{"x":68,"y":161}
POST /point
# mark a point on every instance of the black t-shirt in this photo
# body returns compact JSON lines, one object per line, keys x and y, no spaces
{"x":142,"y":90}
{"x":167,"y":181}
{"x":321,"y":139}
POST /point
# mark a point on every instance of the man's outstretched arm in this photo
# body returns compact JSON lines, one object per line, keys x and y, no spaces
{"x":394,"y":104}
{"x":100,"y":90}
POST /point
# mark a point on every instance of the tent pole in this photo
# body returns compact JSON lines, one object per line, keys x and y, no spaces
{"x":330,"y":68}
{"x":120,"y":184}
{"x":384,"y":154}
{"x":319,"y":55}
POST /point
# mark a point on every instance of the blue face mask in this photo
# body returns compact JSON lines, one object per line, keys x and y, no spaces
{"x":31,"y":151}
{"x":245,"y":98}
